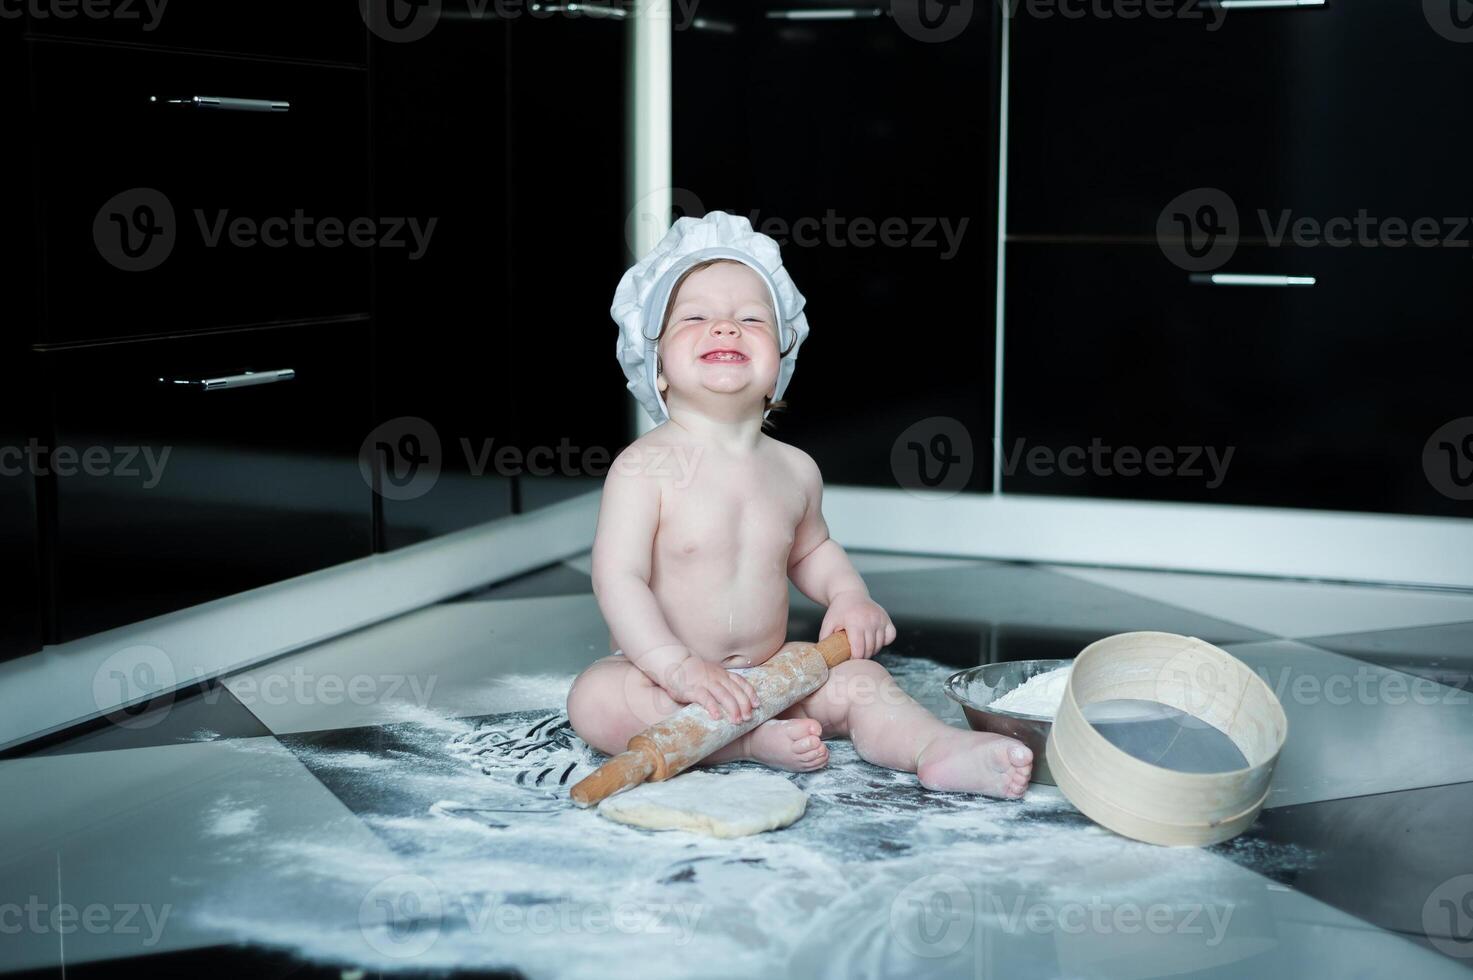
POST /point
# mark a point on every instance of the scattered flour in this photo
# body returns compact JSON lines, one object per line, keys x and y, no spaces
{"x":484,"y":864}
{"x":1040,"y":695}
{"x":229,"y":818}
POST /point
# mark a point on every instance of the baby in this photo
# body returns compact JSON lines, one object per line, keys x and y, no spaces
{"x":691,"y":563}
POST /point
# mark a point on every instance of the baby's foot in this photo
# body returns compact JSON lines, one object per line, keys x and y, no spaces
{"x":792,"y":744}
{"x":976,"y":762}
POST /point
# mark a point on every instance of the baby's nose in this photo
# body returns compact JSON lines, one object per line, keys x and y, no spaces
{"x":723,"y":326}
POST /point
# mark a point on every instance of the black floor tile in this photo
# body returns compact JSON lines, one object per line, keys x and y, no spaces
{"x":199,"y":714}
{"x":975,"y":614}
{"x":1402,"y":861}
{"x":558,"y":579}
{"x":231,"y":961}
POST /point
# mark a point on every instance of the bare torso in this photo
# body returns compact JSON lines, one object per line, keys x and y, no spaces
{"x":720,"y":566}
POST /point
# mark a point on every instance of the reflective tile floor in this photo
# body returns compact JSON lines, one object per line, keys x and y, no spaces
{"x":394,"y":801}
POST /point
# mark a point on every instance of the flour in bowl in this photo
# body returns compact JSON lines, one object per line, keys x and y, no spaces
{"x":1039,"y":695}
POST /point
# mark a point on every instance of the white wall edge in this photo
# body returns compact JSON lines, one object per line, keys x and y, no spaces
{"x":651,"y":191}
{"x":1005,"y":44}
{"x":1282,"y":542}
{"x":59,"y":687}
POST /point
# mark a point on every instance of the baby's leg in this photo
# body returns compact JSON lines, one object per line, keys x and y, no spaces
{"x":613,"y":700}
{"x":888,"y":728}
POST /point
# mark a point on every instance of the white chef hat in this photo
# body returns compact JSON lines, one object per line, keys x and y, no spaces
{"x":644,"y":292}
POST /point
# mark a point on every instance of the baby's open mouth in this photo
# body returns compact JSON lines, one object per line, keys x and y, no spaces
{"x":724,"y":355}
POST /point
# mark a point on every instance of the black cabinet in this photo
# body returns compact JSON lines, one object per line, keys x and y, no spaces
{"x":495,"y":347}
{"x":1311,"y":143}
{"x":869,"y":154}
{"x":567,"y":181}
{"x":20,"y":610}
{"x":161,"y":217}
{"x":1316,"y":111}
{"x":320,"y":30}
{"x":20,"y":613}
{"x":1325,"y":396}
{"x":446,"y":388}
{"x":169,"y":492}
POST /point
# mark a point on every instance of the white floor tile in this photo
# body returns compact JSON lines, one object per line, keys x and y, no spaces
{"x":1288,"y":608}
{"x":148,"y":839}
{"x":446,"y":660}
{"x":1355,"y":728}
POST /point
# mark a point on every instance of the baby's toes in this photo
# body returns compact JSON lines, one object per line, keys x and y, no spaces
{"x":804,"y":727}
{"x":1009,"y":756}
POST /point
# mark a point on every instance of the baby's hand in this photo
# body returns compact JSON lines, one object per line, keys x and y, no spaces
{"x":868,"y":626}
{"x":697,"y":681}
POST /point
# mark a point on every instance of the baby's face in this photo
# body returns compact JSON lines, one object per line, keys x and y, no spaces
{"x":724,"y":307}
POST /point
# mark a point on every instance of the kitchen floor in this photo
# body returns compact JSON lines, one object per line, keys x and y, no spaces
{"x":395,"y":800}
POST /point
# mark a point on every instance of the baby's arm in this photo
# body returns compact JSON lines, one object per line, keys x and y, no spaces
{"x":623,"y":554}
{"x":820,"y":569}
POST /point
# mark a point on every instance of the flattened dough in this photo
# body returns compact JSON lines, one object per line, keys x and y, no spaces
{"x":733,"y":805}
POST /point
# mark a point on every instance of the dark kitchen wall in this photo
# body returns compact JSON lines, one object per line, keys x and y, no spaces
{"x":1148,"y":155}
{"x":866,"y":146}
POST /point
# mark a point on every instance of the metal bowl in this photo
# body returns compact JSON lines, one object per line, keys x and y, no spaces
{"x":976,"y":688}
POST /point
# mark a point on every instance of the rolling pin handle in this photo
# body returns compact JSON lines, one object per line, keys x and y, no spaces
{"x":621,"y":772}
{"x":835,"y":648}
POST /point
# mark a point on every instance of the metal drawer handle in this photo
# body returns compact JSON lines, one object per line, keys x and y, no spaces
{"x":827,"y":13}
{"x":589,"y":9}
{"x":245,"y":379}
{"x":1235,"y":279}
{"x":1267,"y":4}
{"x":229,"y":105}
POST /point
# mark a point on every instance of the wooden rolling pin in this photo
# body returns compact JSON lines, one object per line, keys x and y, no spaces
{"x":671,"y":746}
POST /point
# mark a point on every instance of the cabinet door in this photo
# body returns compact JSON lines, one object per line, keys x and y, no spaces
{"x":869,"y":155}
{"x":161,"y":218}
{"x":566,"y":139}
{"x":170,"y":493}
{"x":1311,"y":111}
{"x":1327,"y":396}
{"x":322,"y":30}
{"x":445,"y":381}
{"x":20,"y":620}
{"x":20,"y":613}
